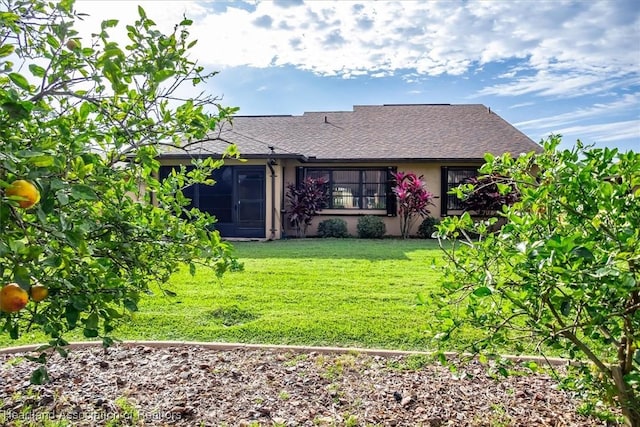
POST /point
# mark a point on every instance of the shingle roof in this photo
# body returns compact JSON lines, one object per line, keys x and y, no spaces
{"x":376,"y":132}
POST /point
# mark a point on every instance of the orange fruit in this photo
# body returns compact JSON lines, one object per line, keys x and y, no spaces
{"x":13,"y":298}
{"x":28,"y":193}
{"x":39,"y":292}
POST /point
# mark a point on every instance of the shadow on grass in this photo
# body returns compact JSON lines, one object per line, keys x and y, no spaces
{"x":232,"y":315}
{"x":348,"y":248}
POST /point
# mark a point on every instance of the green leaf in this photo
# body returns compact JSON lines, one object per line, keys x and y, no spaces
{"x":92,"y":321}
{"x":169,"y":293}
{"x":482,"y":291}
{"x":90,"y":333}
{"x":83,"y":192}
{"x":163,"y":75}
{"x":85,"y":109}
{"x":72,"y":315}
{"x":503,"y":188}
{"x":14,"y":332}
{"x":52,"y":41}
{"x":109,"y":23}
{"x":43,"y":347}
{"x":583,"y":252}
{"x":42,"y":161}
{"x":112,"y":313}
{"x":39,"y":376}
{"x":17,"y":110}
{"x":6,"y":50}
{"x":130,"y":305}
{"x":19,"y":80}
{"x":62,"y":197}
{"x":565,"y":307}
{"x":489,"y":158}
{"x":62,"y":352}
{"x":21,"y":276}
{"x":65,"y":5}
{"x":36,"y":70}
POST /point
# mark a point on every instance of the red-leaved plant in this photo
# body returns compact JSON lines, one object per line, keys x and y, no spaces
{"x":490,"y":193}
{"x":413,"y":200}
{"x":304,"y":201}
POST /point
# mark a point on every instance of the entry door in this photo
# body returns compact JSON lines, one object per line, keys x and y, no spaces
{"x":249,"y":201}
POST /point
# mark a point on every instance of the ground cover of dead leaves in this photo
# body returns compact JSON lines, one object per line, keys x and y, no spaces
{"x":194,"y":386}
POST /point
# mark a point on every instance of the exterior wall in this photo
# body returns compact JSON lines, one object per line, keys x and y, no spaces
{"x":284,"y":173}
{"x":273,"y":194}
{"x":431,"y":175}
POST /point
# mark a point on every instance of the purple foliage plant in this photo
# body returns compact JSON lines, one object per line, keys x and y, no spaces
{"x":413,"y":200}
{"x":490,"y":193}
{"x":305,"y":201}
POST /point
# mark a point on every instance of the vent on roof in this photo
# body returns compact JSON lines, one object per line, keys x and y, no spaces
{"x":268,"y":115}
{"x":408,"y":105}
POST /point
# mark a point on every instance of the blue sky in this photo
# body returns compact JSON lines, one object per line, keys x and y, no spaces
{"x":568,"y":67}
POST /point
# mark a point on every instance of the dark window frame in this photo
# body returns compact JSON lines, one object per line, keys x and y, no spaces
{"x":451,"y":202}
{"x":386,"y":202}
{"x":193,"y":192}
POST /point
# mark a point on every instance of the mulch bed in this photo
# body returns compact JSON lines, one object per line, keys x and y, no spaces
{"x":190,"y":385}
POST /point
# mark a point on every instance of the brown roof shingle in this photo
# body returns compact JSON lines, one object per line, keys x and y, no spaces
{"x":377,"y":132}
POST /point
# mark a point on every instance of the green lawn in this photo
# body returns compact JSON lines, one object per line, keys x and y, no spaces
{"x":342,"y":292}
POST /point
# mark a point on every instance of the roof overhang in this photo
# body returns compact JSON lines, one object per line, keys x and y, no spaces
{"x":183,"y":156}
{"x":397,"y":160}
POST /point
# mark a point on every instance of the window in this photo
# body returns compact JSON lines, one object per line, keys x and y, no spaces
{"x":452,"y":177}
{"x":355,"y":188}
{"x":217,"y":200}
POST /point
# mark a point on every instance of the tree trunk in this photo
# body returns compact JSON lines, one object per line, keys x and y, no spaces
{"x":628,"y":402}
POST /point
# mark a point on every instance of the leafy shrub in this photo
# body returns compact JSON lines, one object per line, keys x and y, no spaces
{"x":563,"y":271}
{"x":371,"y":227}
{"x":488,"y":194}
{"x":334,"y":227}
{"x":101,"y":232}
{"x":413,"y":200}
{"x":304,"y":202}
{"x":428,"y":227}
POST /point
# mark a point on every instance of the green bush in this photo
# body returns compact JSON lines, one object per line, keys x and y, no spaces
{"x":428,"y":227}
{"x":371,"y":227}
{"x":334,"y":227}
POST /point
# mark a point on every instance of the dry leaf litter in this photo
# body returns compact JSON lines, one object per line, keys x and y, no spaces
{"x":197,"y":386}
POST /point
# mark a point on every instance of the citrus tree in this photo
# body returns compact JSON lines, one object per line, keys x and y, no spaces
{"x":564,"y":271}
{"x":85,"y":225}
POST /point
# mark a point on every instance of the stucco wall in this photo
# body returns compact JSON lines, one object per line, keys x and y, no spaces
{"x":431,"y":175}
{"x":276,"y":223}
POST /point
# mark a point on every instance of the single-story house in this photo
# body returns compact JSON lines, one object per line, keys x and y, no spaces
{"x":356,"y":151}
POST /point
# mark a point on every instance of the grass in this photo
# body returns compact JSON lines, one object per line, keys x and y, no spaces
{"x":335,"y":292}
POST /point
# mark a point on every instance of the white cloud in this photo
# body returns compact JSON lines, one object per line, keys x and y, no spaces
{"x":521,"y":104}
{"x":571,"y":48}
{"x":605,"y":132}
{"x":600,"y":123}
{"x":629,"y":102}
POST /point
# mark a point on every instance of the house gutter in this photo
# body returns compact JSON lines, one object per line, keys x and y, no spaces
{"x":273,"y":199}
